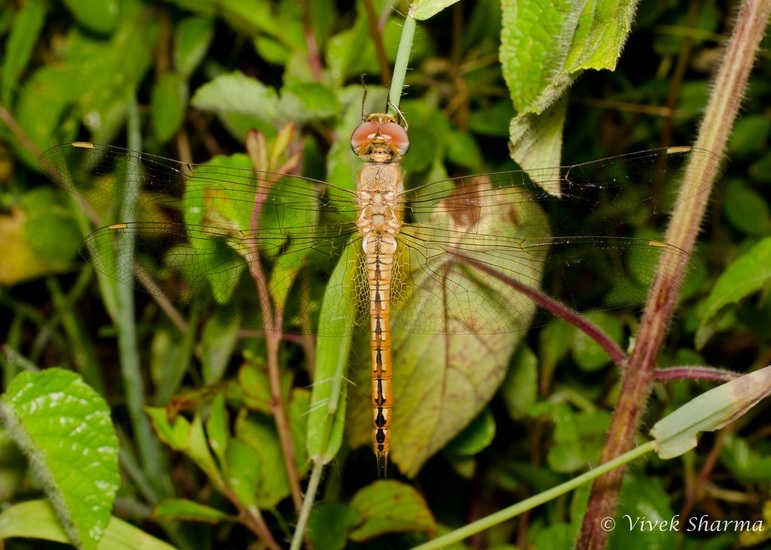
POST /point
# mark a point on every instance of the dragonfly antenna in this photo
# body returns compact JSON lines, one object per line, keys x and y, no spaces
{"x":363,"y":97}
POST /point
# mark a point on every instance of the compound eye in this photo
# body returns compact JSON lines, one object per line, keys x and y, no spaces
{"x":396,"y":136}
{"x":363,"y":134}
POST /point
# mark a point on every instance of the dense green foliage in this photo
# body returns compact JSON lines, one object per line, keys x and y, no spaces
{"x":202,"y":434}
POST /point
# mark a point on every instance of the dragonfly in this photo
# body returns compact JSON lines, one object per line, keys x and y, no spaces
{"x":456,"y":256}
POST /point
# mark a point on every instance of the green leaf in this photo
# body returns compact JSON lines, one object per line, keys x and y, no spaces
{"x":578,"y":438}
{"x":36,"y":520}
{"x":218,"y":341}
{"x":258,"y":432}
{"x":65,"y":429}
{"x":589,"y":355}
{"x":305,"y":101}
{"x":37,"y":237}
{"x":475,"y":437}
{"x":329,"y":525}
{"x":745,"y":276}
{"x":192,"y":37}
{"x":644,"y":500}
{"x":676,"y":433}
{"x":51,"y":231}
{"x":18,"y":47}
{"x":100,"y":16}
{"x":217,"y":428}
{"x":520,"y":387}
{"x":197,"y":449}
{"x":237,"y":93}
{"x":746,"y":209}
{"x":544,"y":47}
{"x":242,"y":475}
{"x":168,"y":101}
{"x":425,"y":9}
{"x":174,"y":435}
{"x":748,"y":133}
{"x":387,"y":507}
{"x":170,"y":509}
{"x":536,"y":139}
{"x":446,"y":375}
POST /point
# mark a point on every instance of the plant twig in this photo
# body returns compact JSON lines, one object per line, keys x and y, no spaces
{"x":637,"y":382}
{"x":273,"y":318}
{"x":555,"y":307}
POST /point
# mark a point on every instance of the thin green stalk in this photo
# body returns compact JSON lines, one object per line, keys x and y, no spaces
{"x":305,"y":511}
{"x":637,"y":383}
{"x":536,"y":500}
{"x":131,"y":372}
{"x":402,"y":61}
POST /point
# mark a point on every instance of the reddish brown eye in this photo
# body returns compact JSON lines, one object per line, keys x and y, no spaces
{"x":363,"y":134}
{"x":396,"y":135}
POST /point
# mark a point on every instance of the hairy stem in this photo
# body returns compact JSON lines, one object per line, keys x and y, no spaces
{"x":638,"y":379}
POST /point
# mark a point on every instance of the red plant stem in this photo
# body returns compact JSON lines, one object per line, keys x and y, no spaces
{"x":695,"y":372}
{"x":727,"y":92}
{"x":556,"y":307}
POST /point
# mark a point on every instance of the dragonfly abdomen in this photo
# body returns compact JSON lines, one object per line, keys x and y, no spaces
{"x":380,"y":251}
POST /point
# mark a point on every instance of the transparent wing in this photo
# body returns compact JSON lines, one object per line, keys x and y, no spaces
{"x":207,"y":228}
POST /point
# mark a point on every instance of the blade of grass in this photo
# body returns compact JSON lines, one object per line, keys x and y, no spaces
{"x":131,"y":373}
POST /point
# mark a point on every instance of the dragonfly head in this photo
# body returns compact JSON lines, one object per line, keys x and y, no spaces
{"x":380,"y":138}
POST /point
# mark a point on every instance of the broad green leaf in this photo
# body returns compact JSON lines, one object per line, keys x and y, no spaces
{"x":520,"y":387}
{"x":746,"y":209}
{"x":65,"y":428}
{"x":748,"y":132}
{"x":36,"y":520}
{"x":556,"y":535}
{"x":174,"y":435}
{"x":24,"y":33}
{"x":242,"y":475}
{"x":192,"y":37}
{"x":168,"y":102}
{"x":255,"y":385}
{"x":536,"y":139}
{"x":387,"y":507}
{"x":443,"y":378}
{"x":644,"y":500}
{"x":462,"y":149}
{"x":182,"y":509}
{"x":745,"y":276}
{"x":578,"y":438}
{"x":329,"y":525}
{"x":425,"y":9}
{"x":218,"y":341}
{"x":589,"y":355}
{"x":304,"y":101}
{"x":239,"y":94}
{"x":269,"y":477}
{"x":676,"y":432}
{"x":88,"y":83}
{"x":544,"y":47}
{"x":37,"y":237}
{"x":100,"y":16}
{"x":475,"y":437}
